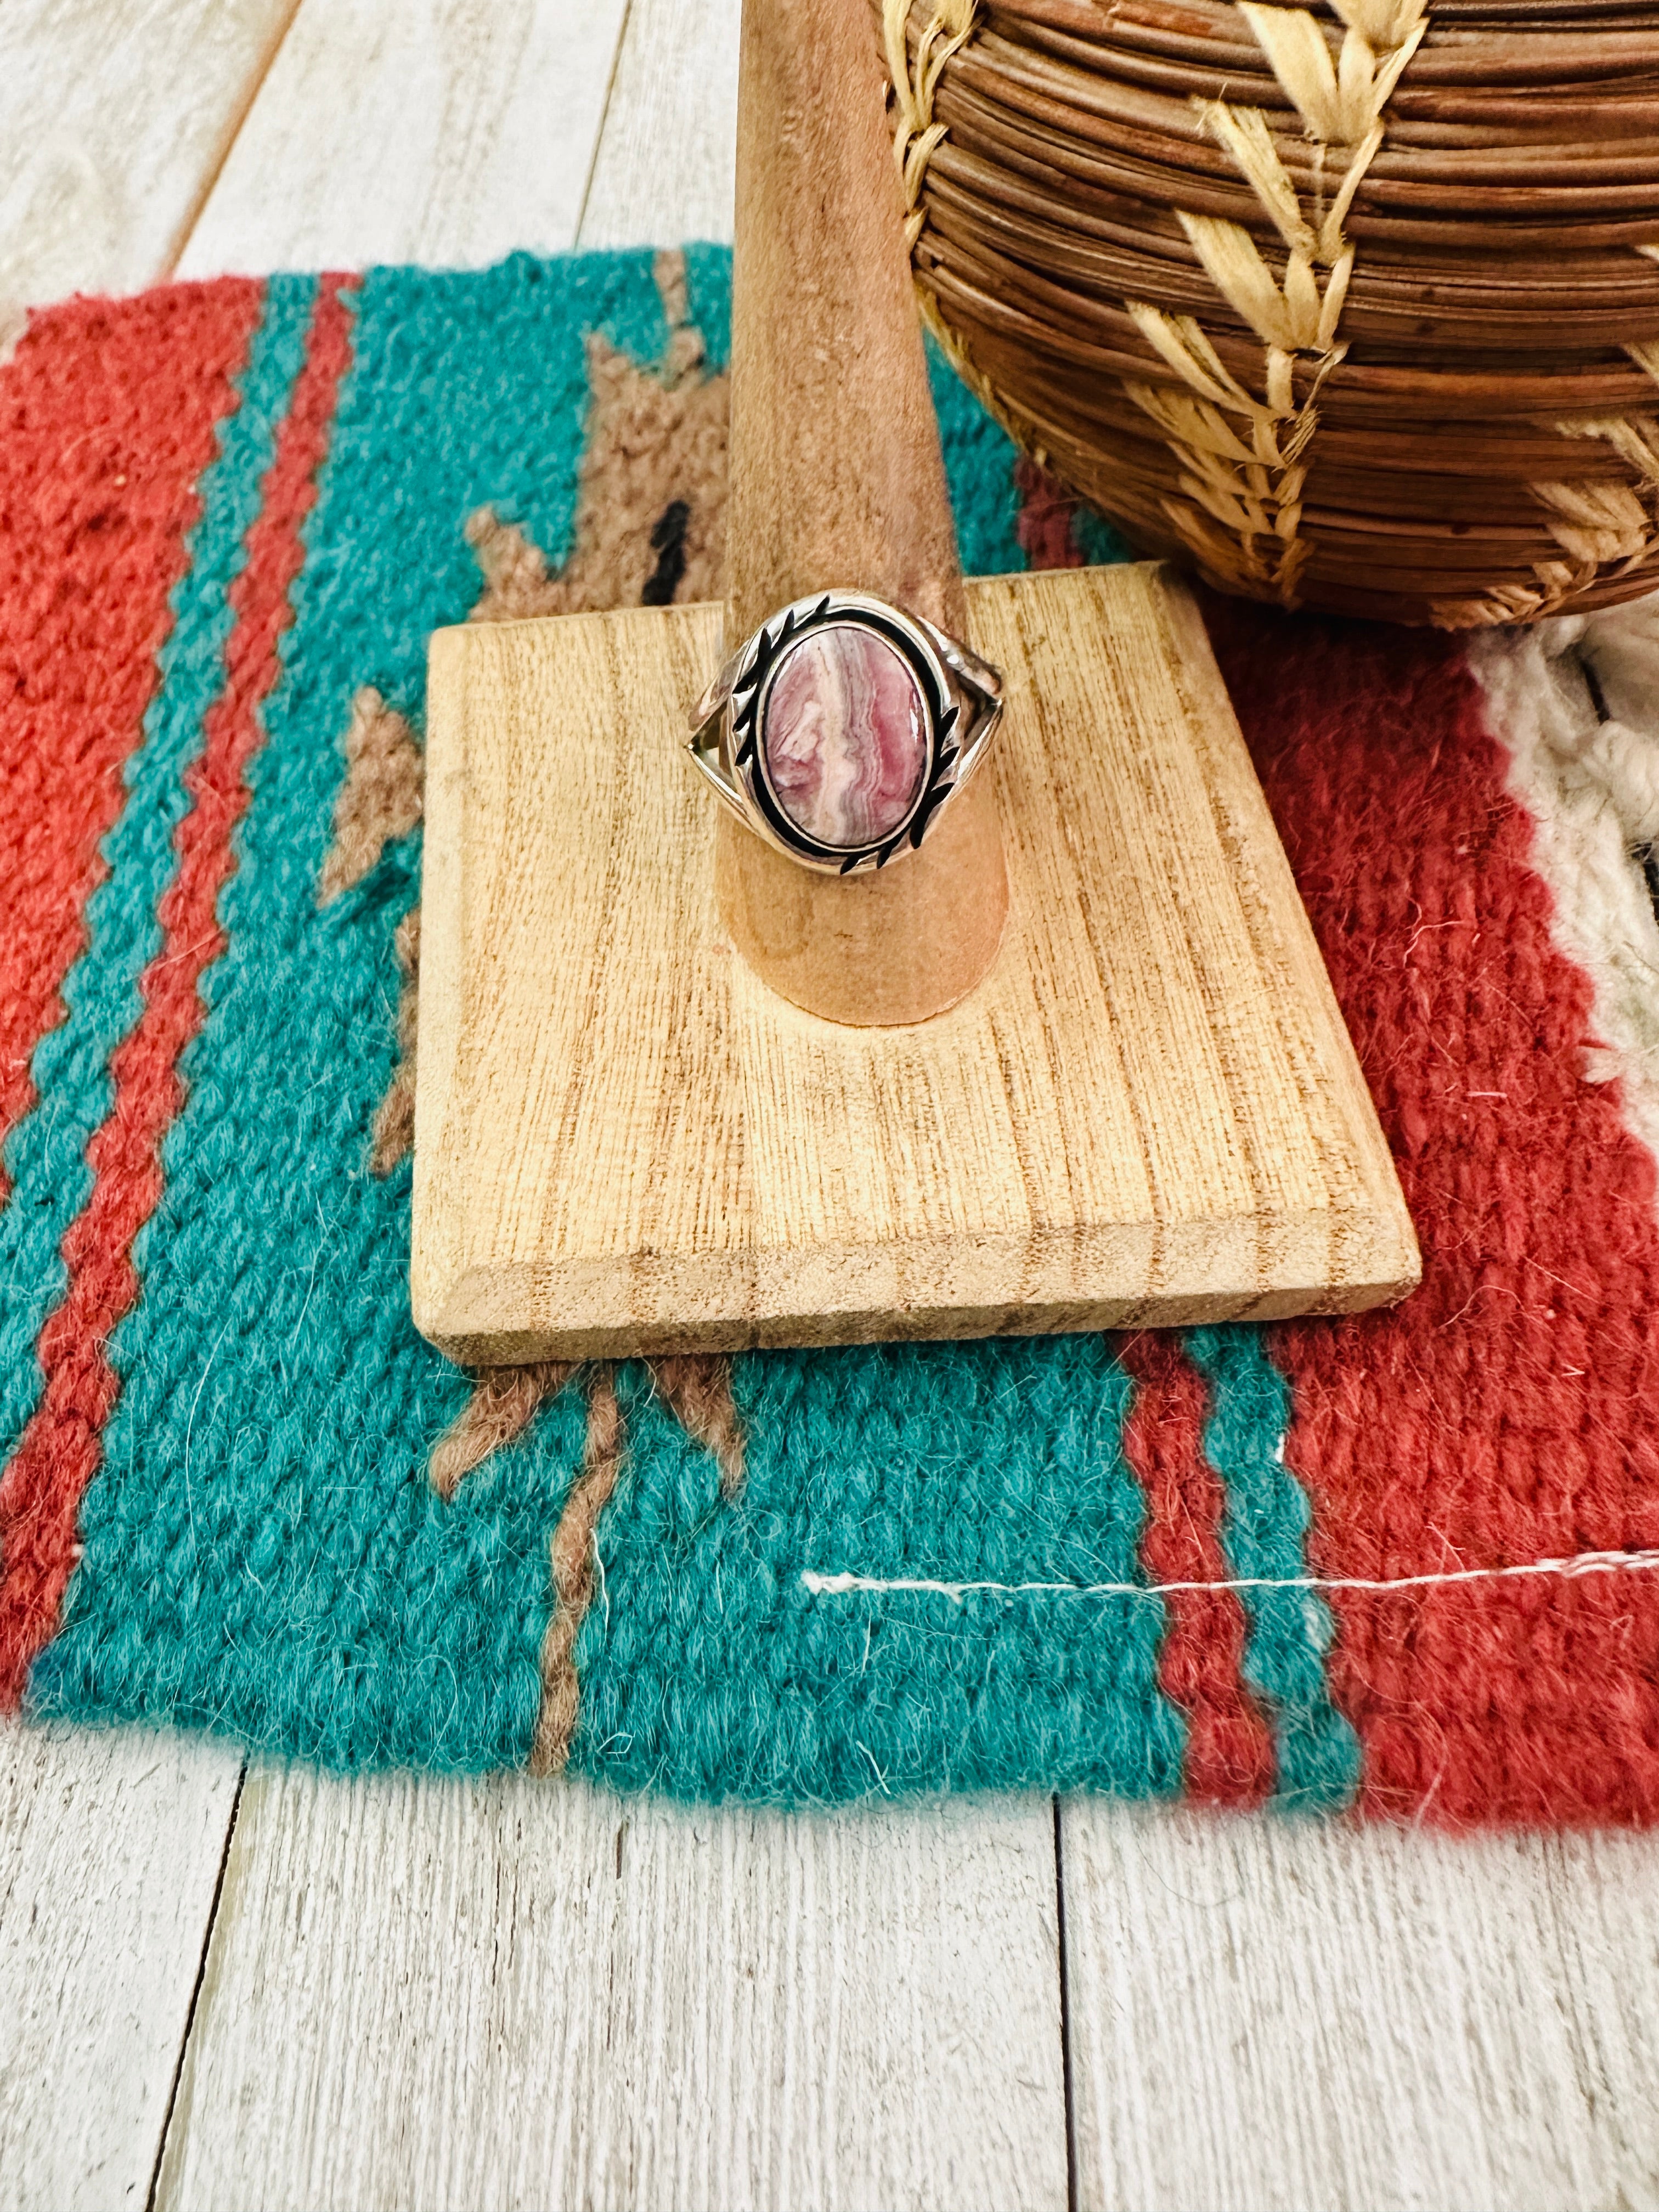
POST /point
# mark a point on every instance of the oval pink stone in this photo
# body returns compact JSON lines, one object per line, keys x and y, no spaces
{"x":845,"y":737}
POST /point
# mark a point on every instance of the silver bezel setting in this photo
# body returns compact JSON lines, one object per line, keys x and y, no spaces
{"x":962,"y":698}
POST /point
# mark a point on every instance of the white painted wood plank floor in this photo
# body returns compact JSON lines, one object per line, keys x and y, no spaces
{"x":283,"y":1989}
{"x":116,"y":119}
{"x":499,"y":1994}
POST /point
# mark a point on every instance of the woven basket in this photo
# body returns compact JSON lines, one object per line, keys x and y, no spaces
{"x":1354,"y":306}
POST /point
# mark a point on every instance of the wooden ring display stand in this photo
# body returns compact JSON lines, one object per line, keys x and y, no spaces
{"x":837,"y":478}
{"x":1074,"y":1063}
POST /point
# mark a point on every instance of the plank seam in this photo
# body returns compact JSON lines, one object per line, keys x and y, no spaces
{"x":605,"y":118}
{"x":1065,"y":2075}
{"x":194,"y":1993}
{"x":256,"y":76}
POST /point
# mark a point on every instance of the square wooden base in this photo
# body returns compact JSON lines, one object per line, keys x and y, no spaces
{"x":1149,"y":1112}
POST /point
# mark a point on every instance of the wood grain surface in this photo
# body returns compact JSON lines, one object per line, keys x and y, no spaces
{"x":836,"y":474}
{"x":1272,"y":2014}
{"x":1150,"y":1110}
{"x":825,"y":1976}
{"x":499,"y":1994}
{"x":444,"y":131}
{"x":837,"y":478}
{"x":109,"y":1852}
{"x":664,"y":167}
{"x":115,"y":119}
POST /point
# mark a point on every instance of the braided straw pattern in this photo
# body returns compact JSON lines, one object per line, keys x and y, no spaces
{"x":1607,"y":531}
{"x":914,"y":80}
{"x":1352,"y":303}
{"x":1243,"y":452}
{"x":913,"y":74}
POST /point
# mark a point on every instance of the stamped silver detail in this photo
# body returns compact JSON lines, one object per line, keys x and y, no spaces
{"x":841,"y":727}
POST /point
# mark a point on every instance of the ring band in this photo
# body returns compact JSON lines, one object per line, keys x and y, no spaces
{"x":843,"y":727}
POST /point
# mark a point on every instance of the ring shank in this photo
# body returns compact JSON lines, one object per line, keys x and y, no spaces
{"x":837,"y":476}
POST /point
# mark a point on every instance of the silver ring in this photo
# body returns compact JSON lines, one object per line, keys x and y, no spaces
{"x":840,"y":730}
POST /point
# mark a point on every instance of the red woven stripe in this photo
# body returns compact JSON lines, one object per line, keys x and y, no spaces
{"x":59,"y":1451}
{"x":1510,"y":1411}
{"x":1230,"y":1756}
{"x":1047,"y":514}
{"x":107,"y":417}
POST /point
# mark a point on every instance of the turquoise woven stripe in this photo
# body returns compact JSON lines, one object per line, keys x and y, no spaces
{"x":45,"y":1154}
{"x":263,"y":1551}
{"x":979,"y":467}
{"x":709,"y":1670}
{"x":1263,"y":1533}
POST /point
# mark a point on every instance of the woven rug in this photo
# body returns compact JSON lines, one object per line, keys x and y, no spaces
{"x":1405,"y":1561}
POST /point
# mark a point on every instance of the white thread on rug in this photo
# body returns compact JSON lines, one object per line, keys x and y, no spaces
{"x":1581,"y":1563}
{"x":1591,"y":789}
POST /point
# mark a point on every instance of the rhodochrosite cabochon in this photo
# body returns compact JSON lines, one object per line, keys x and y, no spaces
{"x":845,"y":737}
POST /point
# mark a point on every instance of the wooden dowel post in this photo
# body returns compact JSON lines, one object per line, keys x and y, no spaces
{"x":837,"y":479}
